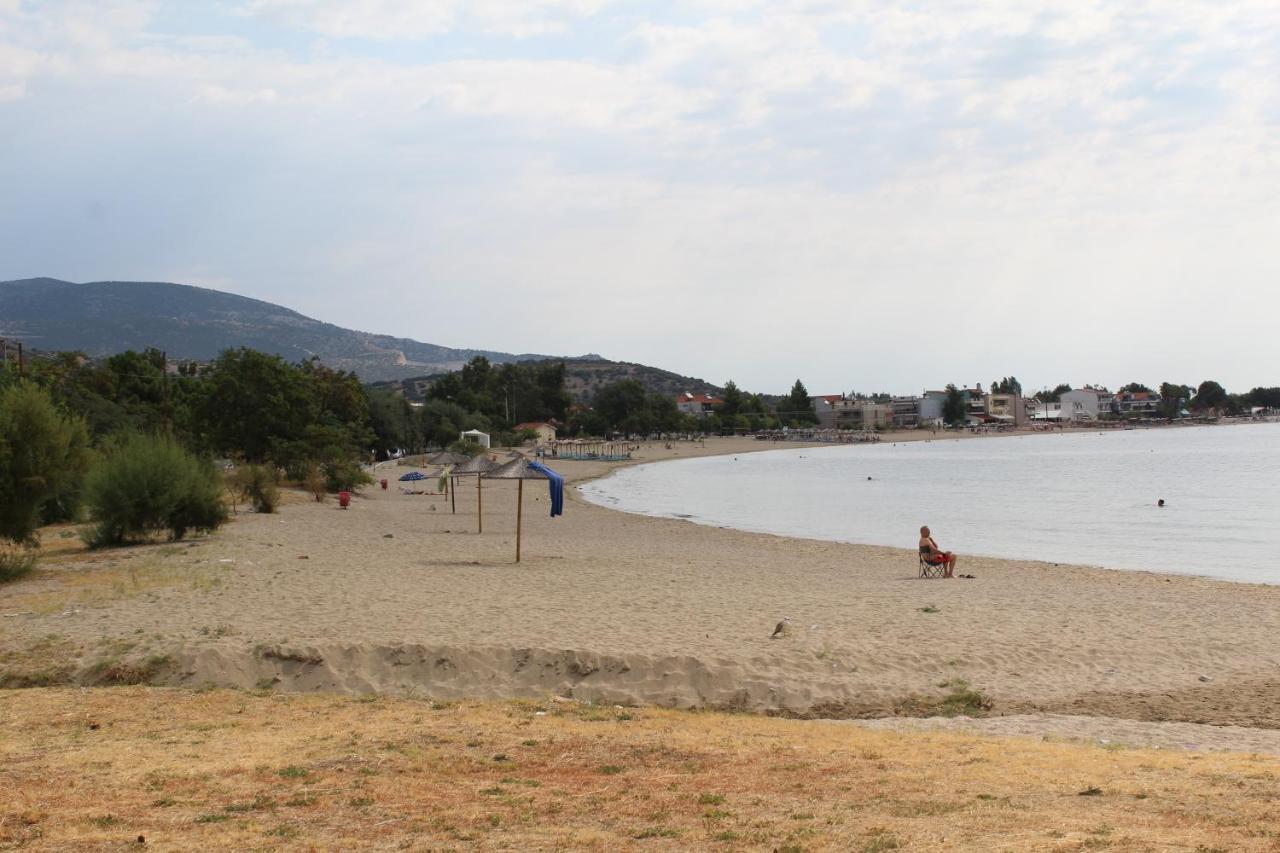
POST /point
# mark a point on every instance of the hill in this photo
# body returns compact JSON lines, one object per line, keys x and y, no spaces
{"x":584,"y":376}
{"x":106,"y":317}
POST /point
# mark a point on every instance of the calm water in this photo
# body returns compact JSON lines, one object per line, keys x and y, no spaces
{"x":1080,"y":498}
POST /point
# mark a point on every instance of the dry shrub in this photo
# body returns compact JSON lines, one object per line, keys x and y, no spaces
{"x":314,"y":483}
{"x":256,"y":484}
{"x":16,"y":563}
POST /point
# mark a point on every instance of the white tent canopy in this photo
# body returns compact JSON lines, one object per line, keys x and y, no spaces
{"x":480,"y":438}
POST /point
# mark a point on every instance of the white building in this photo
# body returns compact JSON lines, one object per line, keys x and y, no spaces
{"x":1046,"y":411}
{"x":480,"y":438}
{"x":1086,"y":404}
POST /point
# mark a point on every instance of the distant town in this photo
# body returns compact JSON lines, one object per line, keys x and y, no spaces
{"x":1004,"y":405}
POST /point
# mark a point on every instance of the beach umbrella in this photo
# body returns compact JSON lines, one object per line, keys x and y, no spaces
{"x":478,"y":466}
{"x":520,"y":470}
{"x":446,"y":458}
{"x":412,"y":475}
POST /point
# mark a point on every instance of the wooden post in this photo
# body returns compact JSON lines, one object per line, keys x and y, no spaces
{"x":519,"y":513}
{"x":479,"y":506}
{"x":453,"y":493}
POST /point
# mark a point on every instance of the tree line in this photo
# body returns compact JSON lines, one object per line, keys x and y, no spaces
{"x":131,"y":445}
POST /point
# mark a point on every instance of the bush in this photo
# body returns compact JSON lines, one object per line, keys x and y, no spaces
{"x":42,"y":454}
{"x":148,"y":485}
{"x":471,"y":448}
{"x":345,"y":475}
{"x":314,"y":483}
{"x":16,"y":563}
{"x":257,"y":485}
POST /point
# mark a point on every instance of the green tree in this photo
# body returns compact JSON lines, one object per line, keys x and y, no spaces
{"x":1135,"y":388}
{"x":507,"y":394}
{"x":1007,"y":385}
{"x":622,"y":405}
{"x":42,"y":455}
{"x":1173,"y":397}
{"x":1268,"y":397}
{"x":755,"y":404}
{"x":662,"y":409}
{"x":1210,"y":395}
{"x":393,"y":423}
{"x":953,"y":408}
{"x":1054,"y":396}
{"x":262,"y":408}
{"x":799,"y":408}
{"x":733,"y":400}
{"x":253,"y":403}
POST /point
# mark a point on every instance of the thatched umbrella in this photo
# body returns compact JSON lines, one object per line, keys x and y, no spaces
{"x":478,"y":466}
{"x":445,"y":458}
{"x":520,"y":470}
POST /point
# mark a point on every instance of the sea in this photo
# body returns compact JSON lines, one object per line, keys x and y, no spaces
{"x":1086,"y":498}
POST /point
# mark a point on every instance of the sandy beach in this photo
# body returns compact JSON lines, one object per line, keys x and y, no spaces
{"x":400,"y":595}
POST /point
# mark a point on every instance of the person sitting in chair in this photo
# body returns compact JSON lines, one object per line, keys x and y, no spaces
{"x":935,"y":555}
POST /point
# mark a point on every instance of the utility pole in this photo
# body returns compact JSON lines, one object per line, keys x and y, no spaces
{"x":164,"y":379}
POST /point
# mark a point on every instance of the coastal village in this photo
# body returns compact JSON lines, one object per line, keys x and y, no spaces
{"x":984,"y":409}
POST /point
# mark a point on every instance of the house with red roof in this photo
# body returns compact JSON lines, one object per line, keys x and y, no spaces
{"x":697,"y":404}
{"x":546,"y":431}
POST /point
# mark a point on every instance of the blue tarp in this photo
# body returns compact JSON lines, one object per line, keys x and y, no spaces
{"x":556,"y":485}
{"x":413,"y":475}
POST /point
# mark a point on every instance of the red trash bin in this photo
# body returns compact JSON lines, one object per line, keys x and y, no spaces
{"x":384,"y":484}
{"x":344,"y":499}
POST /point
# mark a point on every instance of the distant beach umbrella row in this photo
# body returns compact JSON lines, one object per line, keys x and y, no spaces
{"x":518,"y":468}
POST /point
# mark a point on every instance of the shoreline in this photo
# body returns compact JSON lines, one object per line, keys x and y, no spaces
{"x":1066,"y":563}
{"x":400,"y":596}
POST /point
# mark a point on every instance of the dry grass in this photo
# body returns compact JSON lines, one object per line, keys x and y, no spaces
{"x":91,"y":580}
{"x":225,"y":769}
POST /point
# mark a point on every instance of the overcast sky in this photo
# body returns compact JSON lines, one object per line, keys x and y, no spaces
{"x":869,"y":196}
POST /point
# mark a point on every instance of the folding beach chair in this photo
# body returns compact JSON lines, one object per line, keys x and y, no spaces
{"x":930,"y":570}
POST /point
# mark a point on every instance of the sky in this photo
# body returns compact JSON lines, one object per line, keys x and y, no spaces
{"x":866,"y":196}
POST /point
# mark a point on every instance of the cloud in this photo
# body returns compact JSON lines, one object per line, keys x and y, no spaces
{"x":822,"y":178}
{"x":390,"y":20}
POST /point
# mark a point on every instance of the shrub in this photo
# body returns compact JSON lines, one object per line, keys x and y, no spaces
{"x":345,"y":475}
{"x":314,"y":483}
{"x":41,"y":456}
{"x":257,"y":485}
{"x":148,"y":485}
{"x":15,"y":563}
{"x":471,"y":448}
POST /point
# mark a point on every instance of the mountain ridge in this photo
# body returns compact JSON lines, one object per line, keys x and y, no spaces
{"x":101,"y":318}
{"x":188,"y":322}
